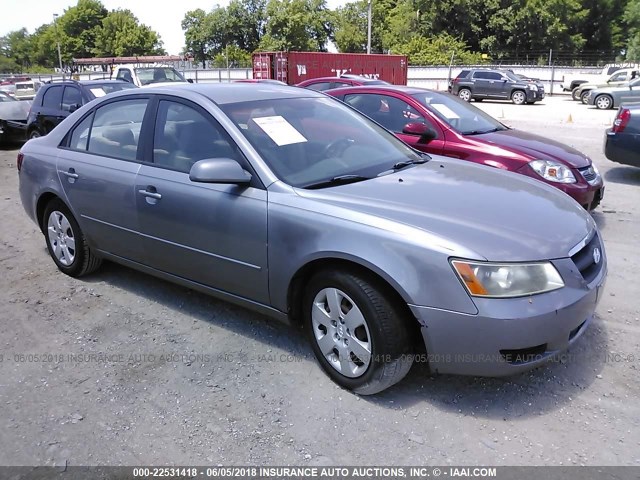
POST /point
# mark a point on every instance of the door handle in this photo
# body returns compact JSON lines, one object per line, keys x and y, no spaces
{"x":151,"y":194}
{"x":71,"y":173}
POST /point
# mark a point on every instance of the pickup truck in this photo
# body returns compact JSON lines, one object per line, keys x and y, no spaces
{"x":148,"y":75}
{"x":570,"y":82}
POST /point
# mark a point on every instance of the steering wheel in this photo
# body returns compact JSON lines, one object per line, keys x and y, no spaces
{"x":337,"y":147}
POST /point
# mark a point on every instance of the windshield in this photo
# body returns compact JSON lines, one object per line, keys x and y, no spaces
{"x":158,"y":74}
{"x":513,"y":76}
{"x":458,"y":114}
{"x":307,"y":141}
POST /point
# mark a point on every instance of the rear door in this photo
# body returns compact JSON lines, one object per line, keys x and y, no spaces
{"x":213,"y":234}
{"x":50,"y":113}
{"x":98,"y":171}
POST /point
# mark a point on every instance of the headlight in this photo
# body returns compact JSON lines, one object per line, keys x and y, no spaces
{"x":506,"y":280}
{"x":553,"y":171}
{"x":533,"y":87}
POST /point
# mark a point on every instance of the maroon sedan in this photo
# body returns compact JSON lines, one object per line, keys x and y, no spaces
{"x":326,"y":83}
{"x":440,"y":123}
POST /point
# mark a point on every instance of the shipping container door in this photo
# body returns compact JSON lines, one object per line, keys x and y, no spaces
{"x":262,"y":65}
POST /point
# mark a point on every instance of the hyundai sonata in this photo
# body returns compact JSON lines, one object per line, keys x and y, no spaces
{"x":290,"y":203}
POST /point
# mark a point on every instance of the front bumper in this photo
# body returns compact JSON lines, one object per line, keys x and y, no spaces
{"x":509,"y":336}
{"x":589,"y":194}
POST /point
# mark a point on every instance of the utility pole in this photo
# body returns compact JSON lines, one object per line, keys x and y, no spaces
{"x":369,"y":3}
{"x":55,"y":25}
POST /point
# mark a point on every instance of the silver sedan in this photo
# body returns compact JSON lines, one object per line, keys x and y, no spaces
{"x":288,"y":202}
{"x":612,"y":97}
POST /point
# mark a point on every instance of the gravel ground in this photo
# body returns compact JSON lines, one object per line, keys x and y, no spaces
{"x":120,"y":368}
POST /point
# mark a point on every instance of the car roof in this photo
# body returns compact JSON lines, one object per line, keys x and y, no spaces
{"x":383,"y":88}
{"x":223,"y":93}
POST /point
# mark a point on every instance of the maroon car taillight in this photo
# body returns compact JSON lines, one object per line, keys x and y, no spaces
{"x":19,"y":160}
{"x":621,"y":120}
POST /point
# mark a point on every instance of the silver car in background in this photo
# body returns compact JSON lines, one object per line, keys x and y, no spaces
{"x":293,"y":204}
{"x":612,"y":97}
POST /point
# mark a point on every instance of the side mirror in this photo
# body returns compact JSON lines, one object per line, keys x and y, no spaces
{"x":190,"y":80}
{"x":425,"y":132}
{"x":219,"y":170}
{"x":74,"y":107}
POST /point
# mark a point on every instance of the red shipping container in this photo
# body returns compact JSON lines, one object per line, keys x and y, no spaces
{"x":294,"y":67}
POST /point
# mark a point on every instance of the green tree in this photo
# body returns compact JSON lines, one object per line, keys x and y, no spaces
{"x":121,"y":35}
{"x":246,"y":21}
{"x":297,"y":25}
{"x":16,"y":46}
{"x":437,"y":50}
{"x":196,"y":35}
{"x":632,"y":20}
{"x":77,"y":28}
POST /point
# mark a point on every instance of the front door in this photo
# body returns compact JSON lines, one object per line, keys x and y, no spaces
{"x":212,"y":234}
{"x":394,"y":113}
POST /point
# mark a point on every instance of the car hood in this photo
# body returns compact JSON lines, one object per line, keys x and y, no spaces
{"x":16,"y":111}
{"x":535,"y":146}
{"x":498,"y":215}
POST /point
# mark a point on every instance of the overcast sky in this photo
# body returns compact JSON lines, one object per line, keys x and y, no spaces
{"x":162,"y":16}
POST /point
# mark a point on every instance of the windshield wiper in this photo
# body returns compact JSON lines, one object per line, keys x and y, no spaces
{"x":339,"y":180}
{"x":480,"y":132}
{"x":406,"y":163}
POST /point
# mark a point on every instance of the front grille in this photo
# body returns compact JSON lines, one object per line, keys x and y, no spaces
{"x":588,"y":173}
{"x":589,"y":259}
{"x":524,"y":355}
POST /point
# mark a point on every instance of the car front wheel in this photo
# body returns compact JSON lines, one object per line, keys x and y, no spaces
{"x":585,"y":97}
{"x":358,"y":333}
{"x":575,"y":94}
{"x":34,"y":134}
{"x":518,"y":97}
{"x":66,"y":242}
{"x":603,"y":102}
{"x":465,"y":94}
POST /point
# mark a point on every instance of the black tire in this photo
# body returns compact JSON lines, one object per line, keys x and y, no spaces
{"x":603,"y":102}
{"x":584,"y":96}
{"x":35,"y":133}
{"x":518,"y":97}
{"x":83,"y":260}
{"x":465,"y":94}
{"x":387,"y":331}
{"x":575,"y":95}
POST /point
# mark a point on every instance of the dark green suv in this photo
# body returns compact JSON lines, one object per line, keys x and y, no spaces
{"x":480,"y":84}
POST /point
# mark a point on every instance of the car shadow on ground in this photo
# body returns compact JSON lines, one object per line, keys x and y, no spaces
{"x":547,"y":388}
{"x":627,"y":175}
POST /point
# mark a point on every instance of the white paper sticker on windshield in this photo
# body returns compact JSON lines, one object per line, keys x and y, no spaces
{"x":444,"y":110}
{"x":98,"y":92}
{"x":279,"y":130}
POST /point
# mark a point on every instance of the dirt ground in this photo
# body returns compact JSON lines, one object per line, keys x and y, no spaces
{"x":120,"y":368}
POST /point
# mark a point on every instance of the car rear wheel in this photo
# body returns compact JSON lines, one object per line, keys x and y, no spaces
{"x":66,"y":243}
{"x":34,"y":134}
{"x":518,"y":97}
{"x":358,"y":333}
{"x":465,"y":94}
{"x":603,"y":102}
{"x":585,"y":96}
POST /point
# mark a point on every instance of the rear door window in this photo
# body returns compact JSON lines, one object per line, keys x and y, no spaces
{"x":116,"y":129}
{"x":53,"y":98}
